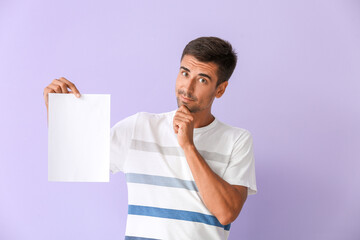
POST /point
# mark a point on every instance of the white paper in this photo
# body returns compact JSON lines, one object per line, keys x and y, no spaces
{"x":79,"y":137}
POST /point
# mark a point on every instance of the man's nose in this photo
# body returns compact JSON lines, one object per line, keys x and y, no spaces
{"x":190,"y":85}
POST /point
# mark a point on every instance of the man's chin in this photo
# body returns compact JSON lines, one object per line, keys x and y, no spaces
{"x":192,"y":109}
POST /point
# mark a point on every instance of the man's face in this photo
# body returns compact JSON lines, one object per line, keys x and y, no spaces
{"x":196,"y":84}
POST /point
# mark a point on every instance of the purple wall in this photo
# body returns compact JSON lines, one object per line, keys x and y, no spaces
{"x":296,"y":88}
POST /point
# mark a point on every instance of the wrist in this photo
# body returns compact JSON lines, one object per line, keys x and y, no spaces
{"x":189,"y":148}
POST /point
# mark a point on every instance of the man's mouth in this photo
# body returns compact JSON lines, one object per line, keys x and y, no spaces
{"x":185,"y":99}
{"x":186,"y":96}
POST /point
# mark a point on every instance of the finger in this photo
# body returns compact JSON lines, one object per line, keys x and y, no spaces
{"x":46,"y":95}
{"x":183,"y":121}
{"x":181,"y":129}
{"x":71,"y":86}
{"x":184,"y":115}
{"x":55,"y":87}
{"x":180,"y":124}
{"x":62,"y":85}
{"x":52,"y":88}
{"x":176,"y":125}
{"x":184,"y":109}
{"x":176,"y":129}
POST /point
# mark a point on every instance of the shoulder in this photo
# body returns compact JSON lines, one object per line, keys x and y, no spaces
{"x":155,"y":118}
{"x":142,"y":117}
{"x":236,"y":133}
{"x":128,"y":121}
{"x":149,"y":115}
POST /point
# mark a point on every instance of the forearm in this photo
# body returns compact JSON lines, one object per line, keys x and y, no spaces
{"x":220,"y":197}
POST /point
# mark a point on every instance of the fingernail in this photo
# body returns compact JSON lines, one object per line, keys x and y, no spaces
{"x":78,"y":95}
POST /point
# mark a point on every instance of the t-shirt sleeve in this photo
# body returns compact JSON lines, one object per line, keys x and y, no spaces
{"x":120,"y":139}
{"x":241,"y":168}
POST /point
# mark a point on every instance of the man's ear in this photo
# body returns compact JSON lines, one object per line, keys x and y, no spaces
{"x":221,"y":89}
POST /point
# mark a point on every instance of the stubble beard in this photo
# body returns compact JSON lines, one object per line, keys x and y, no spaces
{"x":193,"y":109}
{"x":180,"y":103}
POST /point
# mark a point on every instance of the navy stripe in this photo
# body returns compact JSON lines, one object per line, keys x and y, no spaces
{"x":138,"y":238}
{"x":176,"y":214}
{"x":175,"y":151}
{"x":160,"y":181}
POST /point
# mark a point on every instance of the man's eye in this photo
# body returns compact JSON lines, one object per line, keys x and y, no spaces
{"x":184,"y":74}
{"x":202,"y":80}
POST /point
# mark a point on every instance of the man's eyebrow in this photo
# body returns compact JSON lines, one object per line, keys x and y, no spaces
{"x":186,"y":69}
{"x":205,"y":75}
{"x":200,"y":74}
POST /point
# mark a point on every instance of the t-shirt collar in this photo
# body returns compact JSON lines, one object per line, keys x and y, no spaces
{"x":201,"y":129}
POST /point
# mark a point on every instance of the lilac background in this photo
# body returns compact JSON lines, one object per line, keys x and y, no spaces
{"x":296,"y":88}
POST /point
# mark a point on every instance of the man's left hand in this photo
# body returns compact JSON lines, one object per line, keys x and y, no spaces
{"x":183,"y":124}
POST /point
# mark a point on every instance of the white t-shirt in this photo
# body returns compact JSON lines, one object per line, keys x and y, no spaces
{"x":164,"y":202}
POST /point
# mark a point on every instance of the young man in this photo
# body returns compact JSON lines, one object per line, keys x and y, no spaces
{"x":188,"y":174}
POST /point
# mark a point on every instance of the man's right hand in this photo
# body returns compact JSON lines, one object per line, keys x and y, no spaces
{"x":60,"y":85}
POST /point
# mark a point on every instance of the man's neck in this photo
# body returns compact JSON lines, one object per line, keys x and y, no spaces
{"x":202,"y":119}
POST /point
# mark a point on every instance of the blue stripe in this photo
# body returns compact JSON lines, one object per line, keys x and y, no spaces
{"x":138,"y":238}
{"x":176,"y":214}
{"x":161,"y":181}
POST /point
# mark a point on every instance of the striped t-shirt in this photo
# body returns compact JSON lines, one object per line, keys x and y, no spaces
{"x":164,"y":202}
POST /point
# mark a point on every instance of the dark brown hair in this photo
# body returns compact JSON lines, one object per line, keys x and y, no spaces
{"x":213,"y":49}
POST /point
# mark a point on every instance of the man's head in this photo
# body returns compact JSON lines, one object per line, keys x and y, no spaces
{"x":206,"y":66}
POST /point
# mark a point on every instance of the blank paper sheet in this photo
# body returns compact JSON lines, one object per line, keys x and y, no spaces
{"x":79,"y":137}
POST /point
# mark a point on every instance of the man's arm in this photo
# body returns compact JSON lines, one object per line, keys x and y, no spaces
{"x":223,"y":200}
